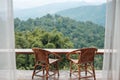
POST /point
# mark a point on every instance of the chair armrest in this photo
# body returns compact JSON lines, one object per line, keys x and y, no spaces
{"x":56,"y":55}
{"x":68,"y":55}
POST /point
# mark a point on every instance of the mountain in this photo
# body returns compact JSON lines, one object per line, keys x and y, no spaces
{"x":94,"y":13}
{"x":45,"y":9}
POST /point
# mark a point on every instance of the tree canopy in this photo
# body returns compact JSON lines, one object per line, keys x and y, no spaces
{"x":81,"y":34}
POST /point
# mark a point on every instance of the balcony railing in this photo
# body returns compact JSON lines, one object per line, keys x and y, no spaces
{"x":59,"y":51}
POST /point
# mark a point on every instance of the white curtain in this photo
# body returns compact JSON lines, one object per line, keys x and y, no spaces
{"x":7,"y":52}
{"x":111,"y":63}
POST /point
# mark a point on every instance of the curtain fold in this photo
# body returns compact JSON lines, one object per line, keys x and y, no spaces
{"x":111,"y":62}
{"x":7,"y":48}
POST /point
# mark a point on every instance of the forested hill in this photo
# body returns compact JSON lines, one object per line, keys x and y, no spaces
{"x":94,"y":13}
{"x":82,"y":34}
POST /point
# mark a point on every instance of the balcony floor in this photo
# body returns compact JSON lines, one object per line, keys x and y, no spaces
{"x":64,"y":75}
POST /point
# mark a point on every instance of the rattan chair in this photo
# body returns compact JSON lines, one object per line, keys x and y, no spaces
{"x":84,"y":63}
{"x":45,"y":65}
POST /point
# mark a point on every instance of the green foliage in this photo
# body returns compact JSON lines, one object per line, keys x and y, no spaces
{"x":41,"y":38}
{"x":98,"y":62}
{"x":25,"y":62}
{"x":82,"y":34}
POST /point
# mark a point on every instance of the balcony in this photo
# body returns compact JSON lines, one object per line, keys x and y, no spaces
{"x":64,"y":74}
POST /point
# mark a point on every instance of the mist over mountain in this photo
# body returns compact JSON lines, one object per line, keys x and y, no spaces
{"x":94,"y":13}
{"x":45,"y":9}
{"x":80,"y":11}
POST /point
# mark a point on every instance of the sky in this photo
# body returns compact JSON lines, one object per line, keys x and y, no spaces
{"x":22,"y":4}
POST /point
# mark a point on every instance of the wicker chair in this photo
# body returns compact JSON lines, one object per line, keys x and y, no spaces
{"x":84,"y":62}
{"x":43,"y":63}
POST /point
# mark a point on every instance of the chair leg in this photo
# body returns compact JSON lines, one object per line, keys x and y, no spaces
{"x":43,"y":70}
{"x":70,"y":68}
{"x":79,"y":72}
{"x":57,"y":68}
{"x":93,"y":72}
{"x":86,"y":69}
{"x":47,"y":71}
{"x":34,"y":71}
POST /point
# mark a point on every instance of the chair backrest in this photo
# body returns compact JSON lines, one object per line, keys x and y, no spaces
{"x":41,"y":55}
{"x":87,"y":55}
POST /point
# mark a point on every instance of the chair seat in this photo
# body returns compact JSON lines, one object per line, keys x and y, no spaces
{"x":53,"y":60}
{"x":74,"y":60}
